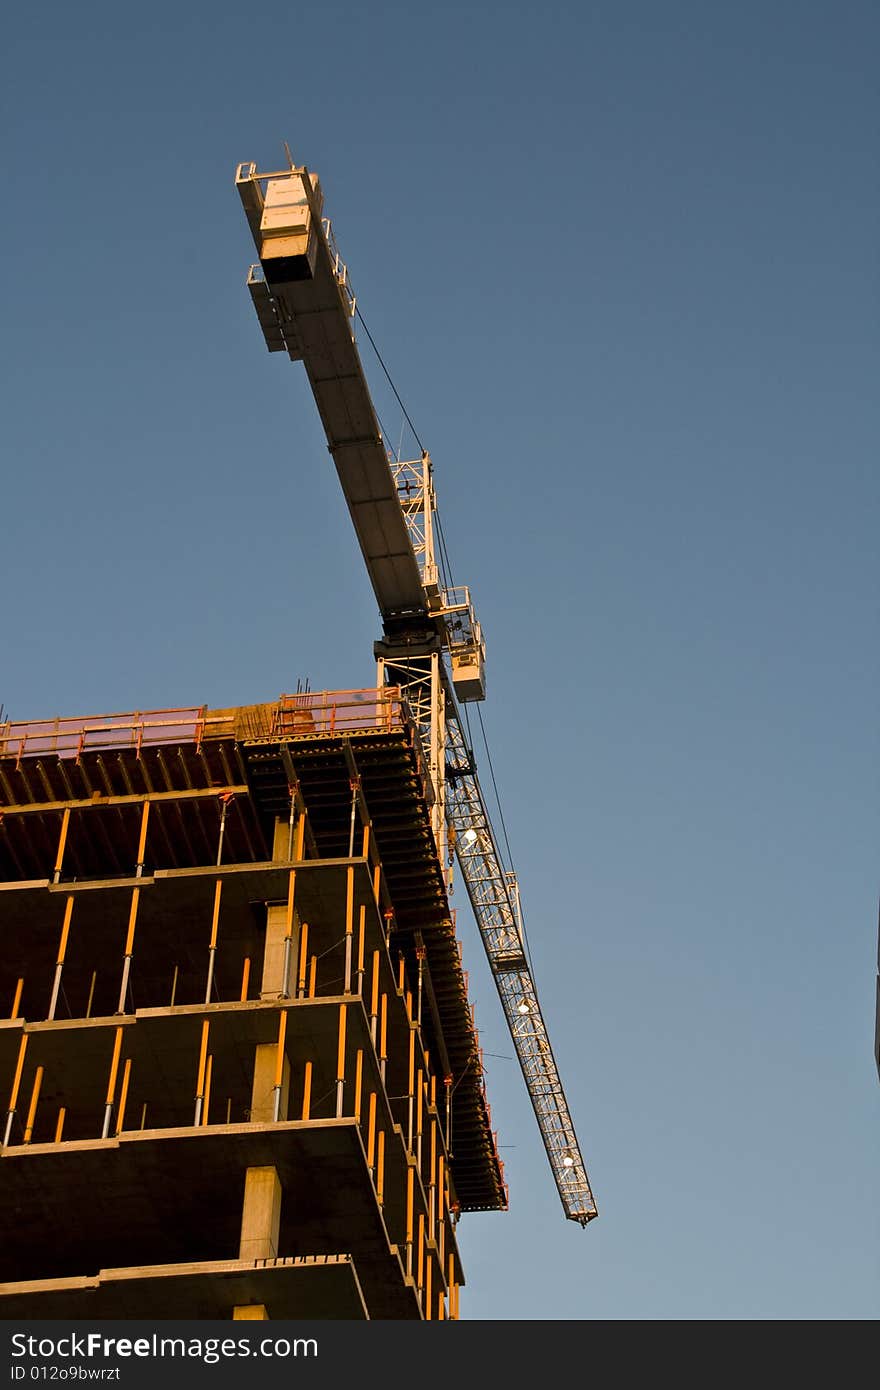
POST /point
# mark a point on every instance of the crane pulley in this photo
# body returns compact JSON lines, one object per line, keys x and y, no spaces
{"x":432,"y":643}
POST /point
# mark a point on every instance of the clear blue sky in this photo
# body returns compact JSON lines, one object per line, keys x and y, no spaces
{"x":621,"y":259}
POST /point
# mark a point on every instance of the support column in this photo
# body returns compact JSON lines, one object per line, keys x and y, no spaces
{"x":276,"y":958}
{"x":62,"y":841}
{"x":340,"y":1064}
{"x":349,"y":928}
{"x":261,"y":1215}
{"x":281,"y":840}
{"x":282,"y":929}
{"x":264,"y":1095}
{"x":111,"y":1084}
{"x":59,"y":964}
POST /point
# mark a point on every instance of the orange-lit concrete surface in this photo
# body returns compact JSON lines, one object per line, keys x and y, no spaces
{"x":241,"y":1071}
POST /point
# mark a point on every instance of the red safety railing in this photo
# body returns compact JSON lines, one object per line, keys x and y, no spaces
{"x":339,"y":711}
{"x":69,"y":738}
{"x":316,"y":712}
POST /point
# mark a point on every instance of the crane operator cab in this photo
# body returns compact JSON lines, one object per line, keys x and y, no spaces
{"x":467,"y":648}
{"x":468,"y":669}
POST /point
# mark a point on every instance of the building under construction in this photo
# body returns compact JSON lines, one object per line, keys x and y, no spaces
{"x":242,"y":1068}
{"x":244,"y":1076}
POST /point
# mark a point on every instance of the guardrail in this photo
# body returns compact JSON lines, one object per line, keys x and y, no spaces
{"x":338,"y":711}
{"x":316,"y":712}
{"x":69,"y":738}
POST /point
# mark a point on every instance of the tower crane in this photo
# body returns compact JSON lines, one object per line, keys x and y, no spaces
{"x":432,"y":644}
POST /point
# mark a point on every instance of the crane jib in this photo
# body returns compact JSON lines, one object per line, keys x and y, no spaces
{"x":312,"y":313}
{"x":433,"y":646}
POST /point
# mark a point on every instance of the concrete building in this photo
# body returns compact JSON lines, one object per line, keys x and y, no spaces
{"x":242,"y":1070}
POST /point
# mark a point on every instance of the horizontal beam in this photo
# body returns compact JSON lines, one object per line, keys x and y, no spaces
{"x":98,"y":800}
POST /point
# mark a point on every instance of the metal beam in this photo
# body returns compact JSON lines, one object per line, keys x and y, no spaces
{"x":136,"y":799}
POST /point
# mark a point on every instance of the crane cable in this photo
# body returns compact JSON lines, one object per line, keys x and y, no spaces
{"x":390,"y":382}
{"x":444,"y":554}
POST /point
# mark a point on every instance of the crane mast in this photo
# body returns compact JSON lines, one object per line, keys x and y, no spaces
{"x":432,"y":644}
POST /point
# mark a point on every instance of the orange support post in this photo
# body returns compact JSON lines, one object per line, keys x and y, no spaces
{"x":303,"y":945}
{"x":410,"y":1088}
{"x":380,"y":1169}
{"x":111,"y":1083}
{"x":142,"y":842}
{"x":307,"y":1091}
{"x":62,"y":841}
{"x":358,"y":1070}
{"x":200,"y":1078}
{"x":371,"y":1131}
{"x":212,"y":944}
{"x":209,"y":1068}
{"x":349,"y":927}
{"x":360,"y":962}
{"x":16,"y":1083}
{"x":374,"y":997}
{"x":419,"y":1089}
{"x":32,"y":1108}
{"x":123,"y":1095}
{"x":279,"y":1066}
{"x":340,"y":1064}
{"x":65,"y":930}
{"x":288,"y":932}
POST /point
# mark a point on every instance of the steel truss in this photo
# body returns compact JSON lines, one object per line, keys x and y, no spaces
{"x":462,"y":825}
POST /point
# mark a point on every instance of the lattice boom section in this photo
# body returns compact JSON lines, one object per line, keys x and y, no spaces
{"x":490,"y":895}
{"x":529,"y":1034}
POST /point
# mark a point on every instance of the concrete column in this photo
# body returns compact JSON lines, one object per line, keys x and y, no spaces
{"x":276,"y":955}
{"x":263,"y":1091}
{"x":280,"y":838}
{"x":250,"y":1311}
{"x":261,"y":1215}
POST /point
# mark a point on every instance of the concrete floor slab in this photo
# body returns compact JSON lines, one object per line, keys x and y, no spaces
{"x":179,"y":1193}
{"x":304,"y":1287}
